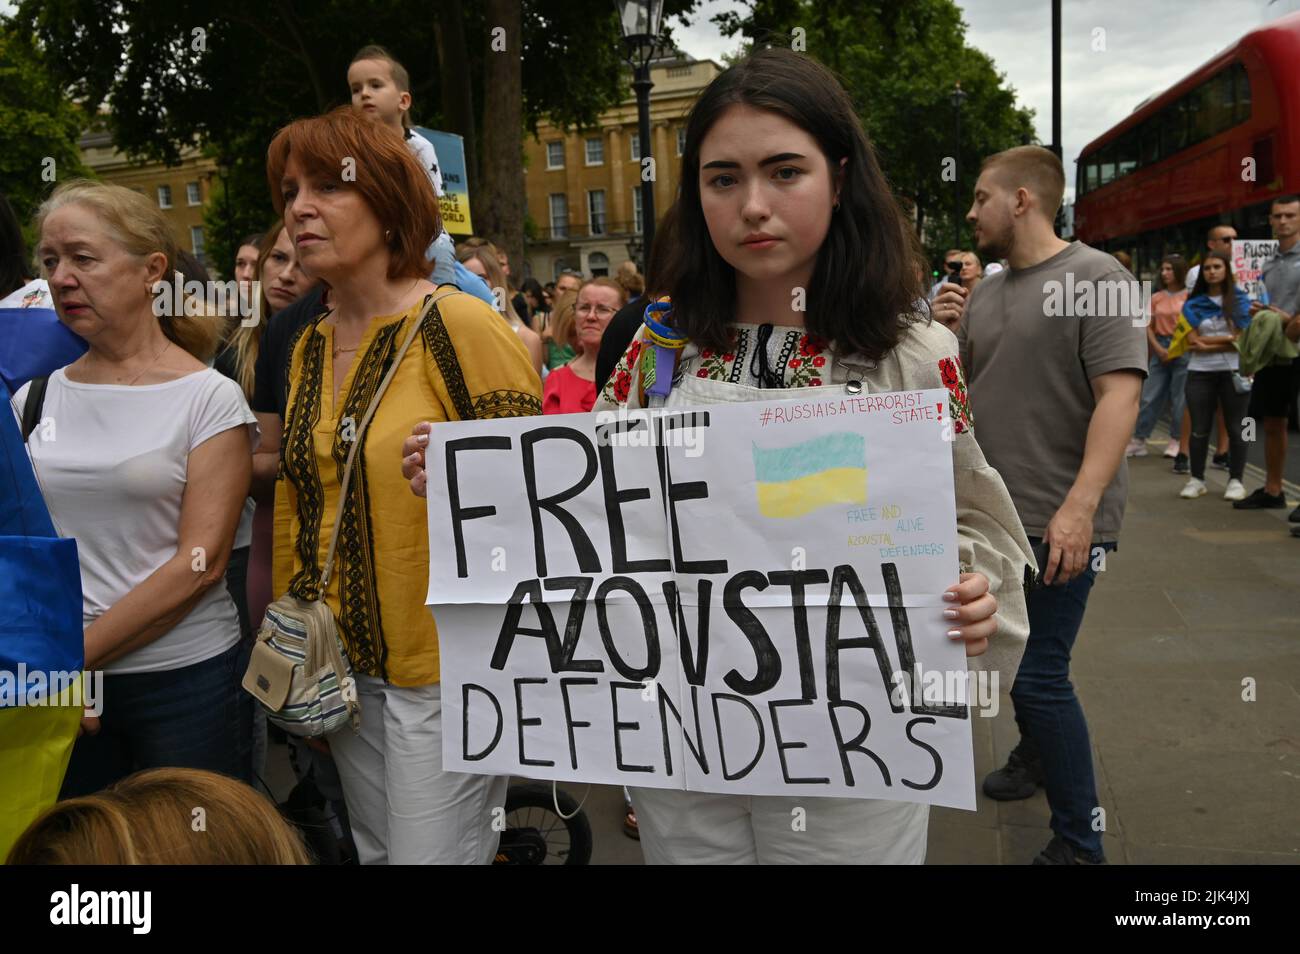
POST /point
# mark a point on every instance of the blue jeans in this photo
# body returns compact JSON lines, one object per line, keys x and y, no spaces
{"x":1051,"y":721}
{"x":1165,"y":380}
{"x":181,"y":718}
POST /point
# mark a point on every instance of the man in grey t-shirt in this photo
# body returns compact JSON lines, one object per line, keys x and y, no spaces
{"x":1055,"y":354}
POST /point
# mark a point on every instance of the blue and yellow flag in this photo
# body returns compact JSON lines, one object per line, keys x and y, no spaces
{"x":796,"y":480}
{"x":41,"y":643}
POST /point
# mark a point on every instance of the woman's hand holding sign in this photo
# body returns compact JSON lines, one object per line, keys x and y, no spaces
{"x":413,"y":458}
{"x":974,"y":619}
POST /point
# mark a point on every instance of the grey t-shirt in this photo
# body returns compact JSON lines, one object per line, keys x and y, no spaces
{"x":1031,"y":341}
{"x":1282,"y":279}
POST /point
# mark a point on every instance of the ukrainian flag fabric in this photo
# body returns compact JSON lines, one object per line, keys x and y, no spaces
{"x":792,"y":481}
{"x":41,"y":643}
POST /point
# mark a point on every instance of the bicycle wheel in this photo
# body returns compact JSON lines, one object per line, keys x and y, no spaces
{"x":536,"y":835}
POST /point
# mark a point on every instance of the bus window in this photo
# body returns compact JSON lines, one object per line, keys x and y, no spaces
{"x":1216,"y":108}
{"x":1126,"y":152}
{"x":1091,"y":175}
{"x":1173,"y":127}
{"x":1149,"y":134}
{"x":1106,"y":164}
{"x":1240,"y":92}
{"x":1198,"y":107}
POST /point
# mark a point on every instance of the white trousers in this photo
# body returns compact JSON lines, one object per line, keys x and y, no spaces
{"x":701,"y":828}
{"x":403,"y":808}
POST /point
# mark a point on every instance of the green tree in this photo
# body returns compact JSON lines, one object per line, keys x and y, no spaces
{"x":901,"y":60}
{"x":39,"y":128}
{"x":229,"y":73}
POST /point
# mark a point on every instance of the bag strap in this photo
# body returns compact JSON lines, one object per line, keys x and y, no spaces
{"x":365,"y":422}
{"x":34,"y":405}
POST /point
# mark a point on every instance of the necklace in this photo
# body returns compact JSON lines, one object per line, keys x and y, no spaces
{"x":338,"y":351}
{"x":167,"y":344}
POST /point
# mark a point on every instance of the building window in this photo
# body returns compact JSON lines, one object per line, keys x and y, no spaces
{"x":595,"y":151}
{"x":192,"y":195}
{"x":681,"y":140}
{"x":598,"y":264}
{"x":596,"y":211}
{"x":636,"y":210}
{"x":196,"y":241}
{"x":555,"y":154}
{"x":635,"y":154}
{"x":559,"y":215}
{"x":164,"y":197}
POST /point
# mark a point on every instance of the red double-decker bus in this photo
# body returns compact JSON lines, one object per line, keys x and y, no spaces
{"x":1213,"y":149}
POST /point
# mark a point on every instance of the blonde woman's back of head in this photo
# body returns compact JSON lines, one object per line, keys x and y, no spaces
{"x":163,"y":816}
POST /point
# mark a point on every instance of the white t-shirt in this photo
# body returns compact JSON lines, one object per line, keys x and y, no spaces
{"x":1190,"y":280}
{"x":1218,"y":360}
{"x":113,"y":472}
{"x":428,"y":157}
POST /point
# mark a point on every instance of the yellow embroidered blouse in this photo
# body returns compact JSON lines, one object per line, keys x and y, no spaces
{"x":465,"y":363}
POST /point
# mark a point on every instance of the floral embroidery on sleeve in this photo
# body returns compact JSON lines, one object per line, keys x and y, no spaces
{"x":619,"y":384}
{"x":954,"y":379}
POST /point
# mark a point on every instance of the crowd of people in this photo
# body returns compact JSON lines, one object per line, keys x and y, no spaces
{"x":1222,"y":377}
{"x":207,"y":467}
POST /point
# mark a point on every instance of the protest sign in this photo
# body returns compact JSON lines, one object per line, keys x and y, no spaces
{"x":1249,"y":256}
{"x":453,"y":204}
{"x":742,"y":598}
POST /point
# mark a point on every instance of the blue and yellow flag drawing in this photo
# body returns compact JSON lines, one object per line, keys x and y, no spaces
{"x":796,"y":480}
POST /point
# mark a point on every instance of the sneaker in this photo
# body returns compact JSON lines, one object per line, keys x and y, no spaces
{"x":1171,"y":449}
{"x":1261,"y":500}
{"x":1136,"y":448}
{"x":1295,"y":516}
{"x":1019,"y":778}
{"x":1220,"y":462}
{"x":1192,"y":489}
{"x":1061,"y":852}
{"x":1295,"y":531}
{"x":1181,"y":465}
{"x":1236,"y":490}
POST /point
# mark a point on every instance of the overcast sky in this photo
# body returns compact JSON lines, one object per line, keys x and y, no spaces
{"x":1149,"y":46}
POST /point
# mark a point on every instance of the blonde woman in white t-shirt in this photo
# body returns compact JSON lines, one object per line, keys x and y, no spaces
{"x":143,"y":456}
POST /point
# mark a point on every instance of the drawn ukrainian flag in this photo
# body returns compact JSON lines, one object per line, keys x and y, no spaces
{"x":796,"y":480}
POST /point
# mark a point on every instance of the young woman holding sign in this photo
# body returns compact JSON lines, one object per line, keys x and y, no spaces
{"x":793,"y":269}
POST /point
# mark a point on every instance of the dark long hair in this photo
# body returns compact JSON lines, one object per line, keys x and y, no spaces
{"x":1229,"y":287}
{"x":14,"y":269}
{"x":865,"y":277}
{"x":1179,"y":265}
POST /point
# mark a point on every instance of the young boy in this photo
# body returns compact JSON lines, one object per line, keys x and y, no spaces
{"x":381,"y":90}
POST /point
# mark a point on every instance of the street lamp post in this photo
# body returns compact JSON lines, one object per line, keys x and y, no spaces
{"x":958,"y":96}
{"x":640,"y":21}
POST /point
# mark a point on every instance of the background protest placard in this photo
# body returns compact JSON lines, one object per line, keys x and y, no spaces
{"x":453,"y":204}
{"x":1249,"y":256}
{"x":742,"y":598}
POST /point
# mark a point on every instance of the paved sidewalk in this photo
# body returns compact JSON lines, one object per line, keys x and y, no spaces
{"x":1198,"y":598}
